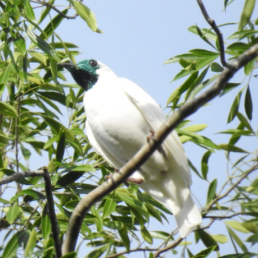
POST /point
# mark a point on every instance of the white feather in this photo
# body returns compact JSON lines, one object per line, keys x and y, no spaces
{"x":120,"y":115}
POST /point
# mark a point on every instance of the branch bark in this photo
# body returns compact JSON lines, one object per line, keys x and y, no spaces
{"x":52,"y":214}
{"x":217,"y":31}
{"x":146,"y":151}
{"x":20,"y":175}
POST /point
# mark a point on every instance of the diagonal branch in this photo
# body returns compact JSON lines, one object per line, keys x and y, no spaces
{"x":52,"y":214}
{"x":20,"y":175}
{"x":146,"y":151}
{"x":217,"y":31}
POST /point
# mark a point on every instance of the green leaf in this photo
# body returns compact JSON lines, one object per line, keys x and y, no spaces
{"x":45,"y":223}
{"x":43,"y":45}
{"x":248,"y":68}
{"x":161,"y":235}
{"x":234,"y":108}
{"x":212,"y":191}
{"x":204,"y":163}
{"x":69,"y":178}
{"x":237,"y":239}
{"x":195,"y":128}
{"x":56,"y":126}
{"x":28,"y":11}
{"x":244,"y":121}
{"x":52,"y":25}
{"x":53,"y":68}
{"x":197,"y":81}
{"x":60,"y":146}
{"x":26,"y":153}
{"x":86,"y":14}
{"x":50,"y":142}
{"x":206,"y":142}
{"x":215,"y":67}
{"x":31,"y":243}
{"x":98,"y":219}
{"x":39,"y":57}
{"x":125,"y":239}
{"x":96,"y":253}
{"x":146,"y":235}
{"x":208,"y":240}
{"x":248,"y":103}
{"x":246,"y":14}
{"x":45,"y":11}
{"x":237,"y":226}
{"x":229,"y":87}
{"x":36,"y":195}
{"x":203,"y":36}
{"x":232,"y":148}
{"x":7,"y":109}
{"x":222,"y":239}
{"x":207,"y":33}
{"x":5,"y":73}
{"x":13,"y":213}
{"x":109,"y":207}
{"x":20,"y":45}
{"x":113,"y":224}
{"x":204,"y":253}
{"x":17,"y":240}
{"x":253,"y":239}
{"x":125,"y":196}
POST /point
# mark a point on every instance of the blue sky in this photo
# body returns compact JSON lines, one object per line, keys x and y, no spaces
{"x":138,"y":37}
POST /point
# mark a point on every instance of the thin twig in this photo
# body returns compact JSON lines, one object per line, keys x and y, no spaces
{"x":131,"y":251}
{"x":253,"y":168}
{"x":52,"y":214}
{"x":20,"y":175}
{"x":217,"y":31}
{"x":230,"y":216}
{"x":54,"y":8}
{"x":17,"y":139}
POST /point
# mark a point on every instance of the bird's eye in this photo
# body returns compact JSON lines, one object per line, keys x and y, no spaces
{"x":93,"y":63}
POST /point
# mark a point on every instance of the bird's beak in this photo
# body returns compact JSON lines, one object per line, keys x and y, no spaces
{"x":67,"y":65}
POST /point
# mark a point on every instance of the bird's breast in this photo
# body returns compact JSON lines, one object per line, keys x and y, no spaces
{"x":115,"y":120}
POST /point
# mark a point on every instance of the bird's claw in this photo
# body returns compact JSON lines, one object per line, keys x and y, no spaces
{"x":150,"y":137}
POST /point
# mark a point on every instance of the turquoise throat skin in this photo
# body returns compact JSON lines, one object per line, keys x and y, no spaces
{"x":84,"y":73}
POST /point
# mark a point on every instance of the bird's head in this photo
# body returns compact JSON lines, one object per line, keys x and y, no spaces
{"x":84,"y":73}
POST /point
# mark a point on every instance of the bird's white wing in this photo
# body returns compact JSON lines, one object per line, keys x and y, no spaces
{"x":155,"y":117}
{"x":100,"y":149}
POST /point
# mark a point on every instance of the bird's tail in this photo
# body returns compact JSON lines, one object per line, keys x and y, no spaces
{"x":187,"y":215}
{"x":175,"y":195}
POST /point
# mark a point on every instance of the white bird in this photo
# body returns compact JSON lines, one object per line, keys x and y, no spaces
{"x":120,"y":115}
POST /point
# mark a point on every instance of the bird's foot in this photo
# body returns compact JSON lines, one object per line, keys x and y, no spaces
{"x":130,"y":179}
{"x":135,"y":180}
{"x":111,"y":175}
{"x":160,"y":149}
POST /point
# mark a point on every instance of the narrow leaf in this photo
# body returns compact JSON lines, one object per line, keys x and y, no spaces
{"x":246,"y":13}
{"x":234,"y":108}
{"x":7,"y":109}
{"x":248,"y":103}
{"x":212,"y":191}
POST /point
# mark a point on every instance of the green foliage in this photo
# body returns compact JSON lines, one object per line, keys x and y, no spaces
{"x":34,"y":95}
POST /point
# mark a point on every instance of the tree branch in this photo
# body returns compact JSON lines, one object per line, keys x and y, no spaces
{"x":52,"y":214}
{"x":146,"y":151}
{"x":20,"y":175}
{"x":230,"y":216}
{"x":54,"y":8}
{"x":217,"y":31}
{"x":253,"y":168}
